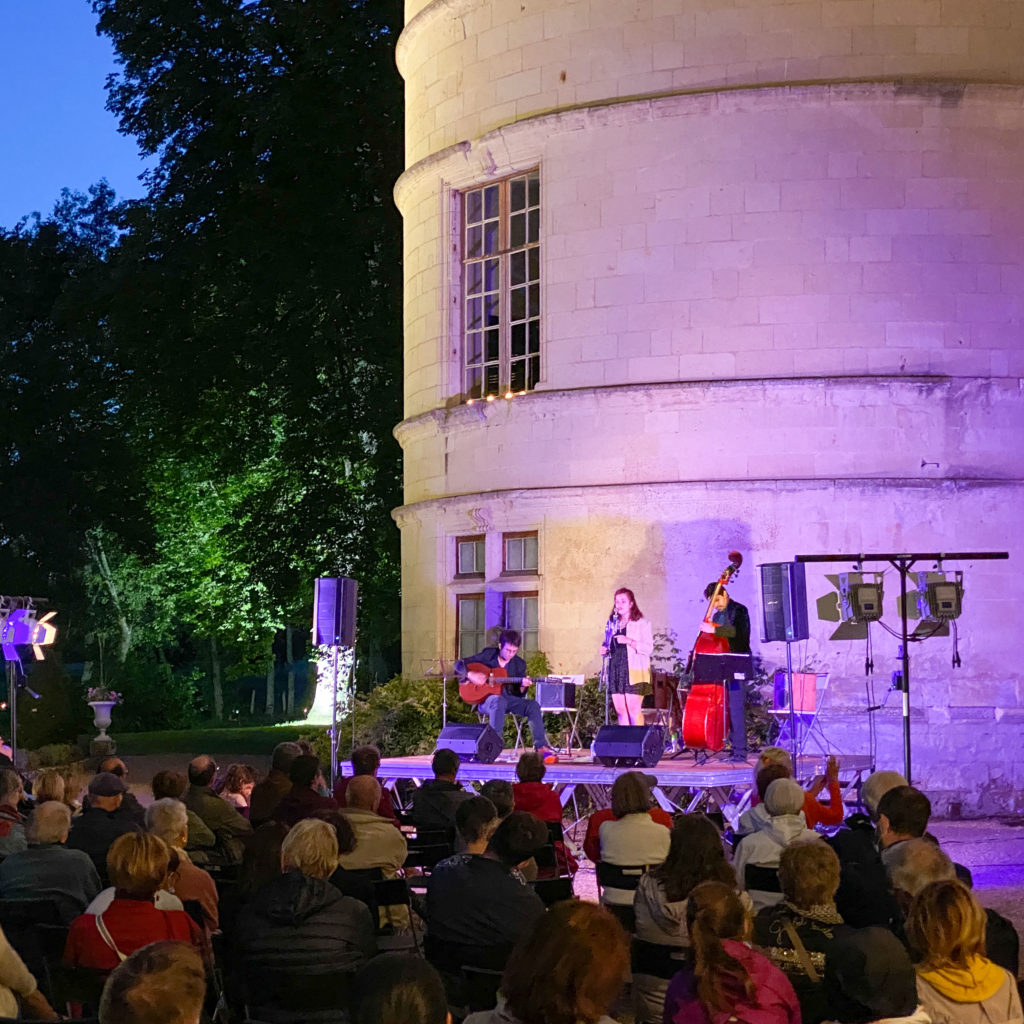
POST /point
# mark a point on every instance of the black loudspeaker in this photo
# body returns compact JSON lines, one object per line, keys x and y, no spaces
{"x":783,"y":602}
{"x":555,"y":694}
{"x":629,"y":746}
{"x":334,"y":612}
{"x":471,"y":742}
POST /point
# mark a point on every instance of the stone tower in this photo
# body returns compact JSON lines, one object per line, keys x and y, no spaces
{"x":683,"y":276}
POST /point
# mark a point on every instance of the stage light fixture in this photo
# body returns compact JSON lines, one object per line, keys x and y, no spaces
{"x":860,"y":600}
{"x":939,"y":598}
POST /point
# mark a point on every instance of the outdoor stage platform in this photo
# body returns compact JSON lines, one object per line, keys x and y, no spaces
{"x":683,"y":784}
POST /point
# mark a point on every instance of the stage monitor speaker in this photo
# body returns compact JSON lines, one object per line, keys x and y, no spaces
{"x":555,"y":694}
{"x":783,"y":602}
{"x":334,"y":611}
{"x":471,"y":742}
{"x":629,"y":746}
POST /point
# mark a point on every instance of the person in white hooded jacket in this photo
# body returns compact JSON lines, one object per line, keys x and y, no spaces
{"x":784,"y":800}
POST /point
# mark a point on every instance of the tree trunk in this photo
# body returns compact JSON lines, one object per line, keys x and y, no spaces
{"x":218,"y":692}
{"x":289,"y":655}
{"x":269,"y":706}
{"x":99,"y":555}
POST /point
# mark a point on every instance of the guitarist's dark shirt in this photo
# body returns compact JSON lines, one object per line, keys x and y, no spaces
{"x":516,"y":668}
{"x":736,"y":620}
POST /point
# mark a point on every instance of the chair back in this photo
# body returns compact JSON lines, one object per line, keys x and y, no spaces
{"x":554,"y":890}
{"x":658,"y":960}
{"x":619,"y":876}
{"x":293,"y":990}
{"x":761,"y":878}
{"x":480,"y":988}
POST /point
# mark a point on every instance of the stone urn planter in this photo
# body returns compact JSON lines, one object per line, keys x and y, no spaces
{"x":101,"y":716}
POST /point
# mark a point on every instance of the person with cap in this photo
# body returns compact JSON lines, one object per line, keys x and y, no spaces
{"x":102,"y":822}
{"x":784,"y":800}
{"x":869,"y":978}
{"x":130,"y":805}
{"x":592,"y":840}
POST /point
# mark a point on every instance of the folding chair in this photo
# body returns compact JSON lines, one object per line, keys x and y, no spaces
{"x":620,"y":876}
{"x":761,"y":878}
{"x":809,"y":691}
{"x":554,"y":890}
{"x":394,"y":892}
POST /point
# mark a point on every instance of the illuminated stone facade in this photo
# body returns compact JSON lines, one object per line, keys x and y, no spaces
{"x":782,"y":276}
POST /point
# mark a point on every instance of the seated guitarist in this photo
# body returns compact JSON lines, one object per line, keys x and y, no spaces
{"x":511,"y":697}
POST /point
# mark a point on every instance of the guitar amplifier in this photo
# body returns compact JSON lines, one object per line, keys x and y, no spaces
{"x":558,"y":693}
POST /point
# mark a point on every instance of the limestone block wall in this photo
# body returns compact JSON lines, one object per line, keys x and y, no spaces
{"x":781,"y":252}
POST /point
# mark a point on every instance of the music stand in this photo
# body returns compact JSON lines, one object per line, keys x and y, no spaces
{"x":732,"y":671}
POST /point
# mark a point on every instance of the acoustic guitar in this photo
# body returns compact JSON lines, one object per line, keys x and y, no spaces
{"x":482,"y":681}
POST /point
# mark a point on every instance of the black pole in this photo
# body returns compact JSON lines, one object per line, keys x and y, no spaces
{"x":902,"y":566}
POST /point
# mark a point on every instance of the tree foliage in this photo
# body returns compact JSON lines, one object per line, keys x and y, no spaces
{"x":202,"y":384}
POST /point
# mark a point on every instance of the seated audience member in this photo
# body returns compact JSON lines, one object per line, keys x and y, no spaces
{"x":303,"y":800}
{"x":569,"y":969}
{"x":12,"y":823}
{"x":237,"y":786}
{"x":102,"y":822}
{"x":869,"y":978}
{"x":695,"y":855}
{"x":168,"y":785}
{"x":162,"y":983}
{"x":266,"y":795}
{"x":17,"y":985}
{"x":631,"y":837}
{"x":47,"y":869}
{"x":476,"y":821}
{"x":592,"y":841}
{"x":378,"y":843}
{"x":168,"y":820}
{"x":955,"y":981}
{"x":478,"y":906}
{"x":130,"y":806}
{"x":903,"y":814}
{"x":815,"y":812}
{"x":298,"y":919}
{"x":784,"y":800}
{"x":138,"y":864}
{"x":48,"y":785}
{"x":434,"y":803}
{"x":501,"y":794}
{"x":533,"y":795}
{"x":800,"y":933}
{"x":863,"y":898}
{"x":261,"y":862}
{"x":728,"y":980}
{"x":757,"y":816}
{"x":229,"y":827}
{"x":366,"y":761}
{"x":350,"y":883}
{"x":399,"y":988}
{"x":919,"y":862}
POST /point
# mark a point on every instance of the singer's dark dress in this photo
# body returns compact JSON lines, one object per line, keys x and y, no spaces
{"x":618,"y":667}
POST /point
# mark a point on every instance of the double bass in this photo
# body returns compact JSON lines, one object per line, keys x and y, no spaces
{"x":704,"y":713}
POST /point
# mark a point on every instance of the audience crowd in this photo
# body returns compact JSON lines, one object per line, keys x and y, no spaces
{"x":230,"y":895}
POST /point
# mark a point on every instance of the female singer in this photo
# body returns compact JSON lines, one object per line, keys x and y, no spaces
{"x":628,"y":645}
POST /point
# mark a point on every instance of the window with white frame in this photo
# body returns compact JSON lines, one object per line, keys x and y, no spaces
{"x":469,"y":556}
{"x":501,"y":286}
{"x":519,"y":553}
{"x":470,"y":624}
{"x":521,"y":612}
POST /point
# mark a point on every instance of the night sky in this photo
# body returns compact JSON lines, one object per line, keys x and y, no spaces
{"x":54,"y":128}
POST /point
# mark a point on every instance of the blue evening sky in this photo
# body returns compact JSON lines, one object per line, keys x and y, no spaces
{"x":55,"y":130}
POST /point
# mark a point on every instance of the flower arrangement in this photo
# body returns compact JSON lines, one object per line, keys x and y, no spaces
{"x":102,"y":693}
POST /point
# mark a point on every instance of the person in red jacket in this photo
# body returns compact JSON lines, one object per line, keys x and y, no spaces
{"x":531,"y":793}
{"x":592,"y":841}
{"x":137,"y":864}
{"x":815,"y":812}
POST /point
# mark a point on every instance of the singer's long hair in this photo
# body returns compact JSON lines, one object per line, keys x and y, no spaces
{"x":635,"y":614}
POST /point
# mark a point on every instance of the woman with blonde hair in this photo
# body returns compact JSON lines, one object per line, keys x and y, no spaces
{"x":956,"y":983}
{"x":569,"y":969}
{"x":728,"y":980}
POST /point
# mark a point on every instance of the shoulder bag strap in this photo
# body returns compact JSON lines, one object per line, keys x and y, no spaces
{"x":105,"y":935}
{"x":801,"y":950}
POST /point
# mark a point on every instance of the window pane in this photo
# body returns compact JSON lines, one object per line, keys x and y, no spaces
{"x":474,"y":380}
{"x":518,"y":340}
{"x":517,"y":191}
{"x":534,"y":258}
{"x":474,"y":241}
{"x":534,"y":232}
{"x":534,"y":328}
{"x":517,"y":304}
{"x":474,"y":278}
{"x":471,"y":556}
{"x":490,"y":237}
{"x":492,"y":346}
{"x":534,"y":179}
{"x":534,"y":300}
{"x":491,"y":196}
{"x":517,"y":236}
{"x":491,"y":278}
{"x":517,"y":377}
{"x":491,"y":380}
{"x":517,"y":268}
{"x":474,"y":351}
{"x":474,"y":314}
{"x":533,"y":375}
{"x":530,"y":553}
{"x":492,"y":310}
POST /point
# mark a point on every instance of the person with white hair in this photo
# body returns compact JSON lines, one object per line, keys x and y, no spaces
{"x":784,"y":800}
{"x":47,"y":869}
{"x":298,"y":919}
{"x":168,"y":819}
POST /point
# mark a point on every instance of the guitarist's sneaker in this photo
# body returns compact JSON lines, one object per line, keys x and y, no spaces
{"x":550,"y":757}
